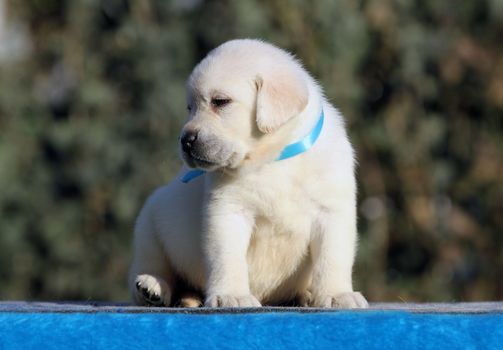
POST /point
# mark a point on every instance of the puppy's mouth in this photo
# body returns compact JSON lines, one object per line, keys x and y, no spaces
{"x":196,"y":161}
{"x":202,"y":162}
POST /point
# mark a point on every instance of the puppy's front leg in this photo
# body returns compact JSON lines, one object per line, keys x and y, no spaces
{"x":333,"y":248}
{"x":228,"y":232}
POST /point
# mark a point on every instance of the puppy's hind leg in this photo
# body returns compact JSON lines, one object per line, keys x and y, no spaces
{"x":151,"y":278}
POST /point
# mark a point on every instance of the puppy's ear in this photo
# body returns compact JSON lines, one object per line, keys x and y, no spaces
{"x":280,"y":96}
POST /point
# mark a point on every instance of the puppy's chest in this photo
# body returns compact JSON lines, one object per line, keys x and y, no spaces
{"x":283,"y":210}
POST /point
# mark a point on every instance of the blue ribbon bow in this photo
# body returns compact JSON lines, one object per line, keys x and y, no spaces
{"x":288,"y":152}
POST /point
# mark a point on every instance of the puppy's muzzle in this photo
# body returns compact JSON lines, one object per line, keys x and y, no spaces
{"x":198,"y":151}
{"x":201,"y":149}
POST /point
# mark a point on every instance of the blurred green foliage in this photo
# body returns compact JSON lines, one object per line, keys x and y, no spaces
{"x":90,"y":113}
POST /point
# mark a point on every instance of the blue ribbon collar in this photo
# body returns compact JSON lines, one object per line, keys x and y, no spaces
{"x":288,"y":152}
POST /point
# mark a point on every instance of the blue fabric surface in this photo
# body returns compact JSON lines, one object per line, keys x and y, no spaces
{"x":335,"y":330}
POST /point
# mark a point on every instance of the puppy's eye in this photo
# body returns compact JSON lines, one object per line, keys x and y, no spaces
{"x":189,"y":108}
{"x":220,"y":102}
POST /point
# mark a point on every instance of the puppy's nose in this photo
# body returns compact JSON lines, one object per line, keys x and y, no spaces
{"x":188,"y":140}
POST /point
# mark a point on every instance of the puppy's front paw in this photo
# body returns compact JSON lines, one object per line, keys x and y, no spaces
{"x":152,"y":290}
{"x":349,"y":300}
{"x":232,"y":301}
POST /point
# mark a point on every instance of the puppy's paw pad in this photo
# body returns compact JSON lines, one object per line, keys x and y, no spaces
{"x":303,"y":299}
{"x":191,"y":300}
{"x":232,"y":301}
{"x":152,"y":290}
{"x":349,"y":300}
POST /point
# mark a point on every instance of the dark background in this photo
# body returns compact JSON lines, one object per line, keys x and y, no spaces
{"x":92,"y":97}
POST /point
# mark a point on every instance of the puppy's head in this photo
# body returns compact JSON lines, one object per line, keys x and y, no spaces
{"x":239,"y":96}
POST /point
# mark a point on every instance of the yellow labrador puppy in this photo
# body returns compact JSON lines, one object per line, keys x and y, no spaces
{"x":269,"y":214}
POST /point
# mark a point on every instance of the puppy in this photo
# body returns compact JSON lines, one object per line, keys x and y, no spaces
{"x":270,"y":214}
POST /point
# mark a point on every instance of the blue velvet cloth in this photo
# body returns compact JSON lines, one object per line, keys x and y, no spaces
{"x":330,"y":330}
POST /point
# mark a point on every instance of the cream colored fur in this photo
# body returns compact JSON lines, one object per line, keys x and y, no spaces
{"x":253,"y":230}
